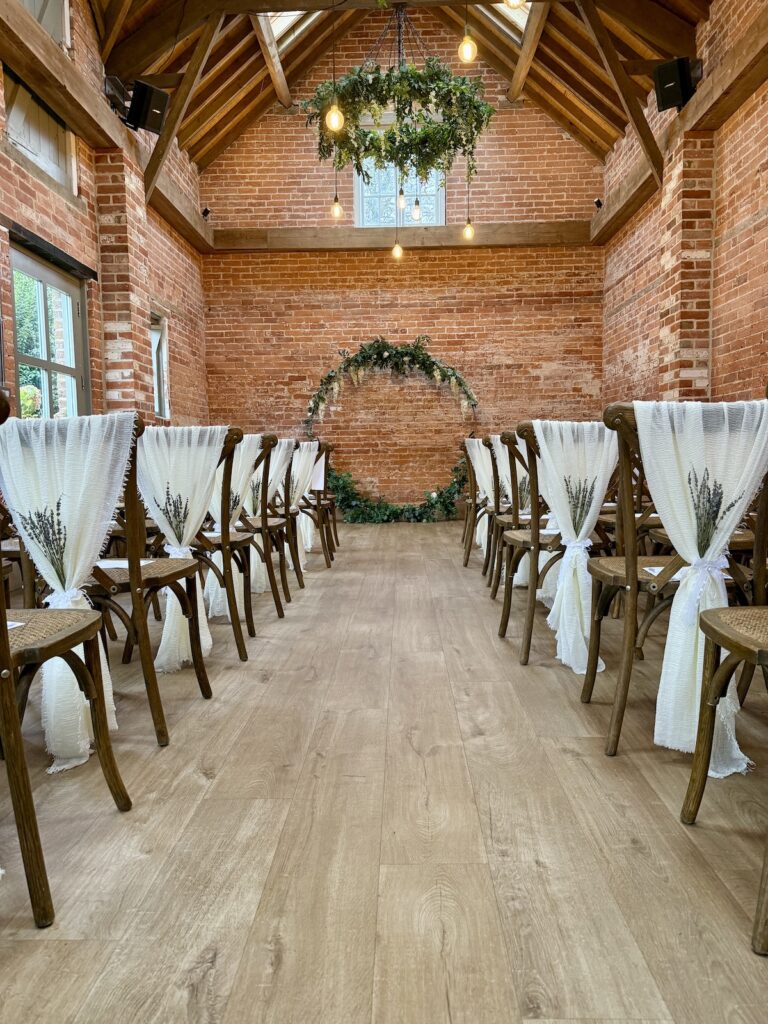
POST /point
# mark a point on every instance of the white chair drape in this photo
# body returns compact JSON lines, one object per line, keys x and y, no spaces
{"x":483,"y":467}
{"x":61,"y":480}
{"x":243,"y":459}
{"x":278,"y":465}
{"x":575,"y":466}
{"x":306,"y":523}
{"x":301,"y":476}
{"x":176,"y":473}
{"x":504,"y":469}
{"x":703,"y":464}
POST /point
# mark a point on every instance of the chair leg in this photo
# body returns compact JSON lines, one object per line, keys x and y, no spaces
{"x":625,"y":672}
{"x":101,"y":738}
{"x":194,"y":639}
{"x":715,"y":678}
{"x":156,"y":608}
{"x":247,"y":596}
{"x":596,"y":625}
{"x":469,"y":533}
{"x":324,"y":540}
{"x":530,"y":607}
{"x":335,"y":525}
{"x":271,"y":575}
{"x":497,"y":564}
{"x":508,"y":581}
{"x":283,"y":564}
{"x":140,"y":611}
{"x":234,"y":611}
{"x":745,"y":681}
{"x":760,"y":929}
{"x":293,"y":545}
{"x":488,"y":545}
{"x":23,"y":806}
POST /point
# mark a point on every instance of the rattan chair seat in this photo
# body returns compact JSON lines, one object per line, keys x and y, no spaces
{"x":612,"y":570}
{"x":11,"y":547}
{"x":236,"y":539}
{"x":273,"y":522}
{"x":44,"y":629}
{"x":156,"y":570}
{"x":744,"y":630}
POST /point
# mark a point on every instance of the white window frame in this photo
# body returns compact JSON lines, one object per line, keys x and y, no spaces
{"x":158,"y":334}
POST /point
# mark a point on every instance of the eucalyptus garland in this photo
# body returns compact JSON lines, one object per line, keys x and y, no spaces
{"x":438,"y":116}
{"x":356,"y":508}
{"x":400,"y":360}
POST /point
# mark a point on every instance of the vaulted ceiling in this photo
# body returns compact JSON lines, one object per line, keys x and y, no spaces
{"x":586,"y":63}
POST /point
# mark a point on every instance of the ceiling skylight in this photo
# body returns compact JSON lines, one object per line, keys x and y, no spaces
{"x":517,"y":17}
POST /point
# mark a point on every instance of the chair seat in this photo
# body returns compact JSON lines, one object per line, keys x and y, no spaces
{"x":155,"y":572}
{"x":741,"y":540}
{"x":273,"y":522}
{"x":236,"y":539}
{"x":522,"y":539}
{"x":611,"y":570}
{"x":47,"y":632}
{"x":741,"y":630}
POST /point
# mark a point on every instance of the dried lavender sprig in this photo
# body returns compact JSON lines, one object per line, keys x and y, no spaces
{"x":47,"y":530}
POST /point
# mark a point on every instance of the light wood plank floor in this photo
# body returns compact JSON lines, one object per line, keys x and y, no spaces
{"x":383,"y":818}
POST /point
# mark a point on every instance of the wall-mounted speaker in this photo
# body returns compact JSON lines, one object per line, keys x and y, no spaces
{"x":148,"y":107}
{"x":676,"y":82}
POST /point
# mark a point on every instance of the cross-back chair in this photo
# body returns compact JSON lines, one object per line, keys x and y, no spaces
{"x":33,"y":637}
{"x":142,"y":579}
{"x":515,"y":516}
{"x":319,"y":507}
{"x":534,"y":541}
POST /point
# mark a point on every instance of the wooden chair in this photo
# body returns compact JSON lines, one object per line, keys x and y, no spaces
{"x":233,"y":547}
{"x":290,"y":511}
{"x":477,"y":509}
{"x":533,"y":542}
{"x":24,"y":648}
{"x":511,"y":518}
{"x":627,"y":573}
{"x":142,"y":579}
{"x":320,"y":508}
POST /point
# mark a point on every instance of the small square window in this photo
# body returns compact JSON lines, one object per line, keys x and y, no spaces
{"x":159,"y":336}
{"x":376,"y":201}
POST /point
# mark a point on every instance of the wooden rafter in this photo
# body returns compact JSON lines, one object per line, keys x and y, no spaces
{"x":263,"y":29}
{"x":621,"y":81}
{"x":656,"y":23}
{"x":298,"y":59}
{"x":534,"y":27}
{"x":114,"y":19}
{"x":179,"y":103}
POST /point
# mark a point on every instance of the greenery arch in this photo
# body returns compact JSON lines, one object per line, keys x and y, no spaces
{"x":401,"y":361}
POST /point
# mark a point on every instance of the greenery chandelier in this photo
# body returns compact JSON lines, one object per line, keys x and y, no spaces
{"x":419,"y":119}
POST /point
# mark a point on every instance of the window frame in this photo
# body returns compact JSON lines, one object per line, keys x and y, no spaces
{"x":161,"y":397}
{"x":47,"y":274}
{"x":403,"y":218}
{"x":69,"y":179}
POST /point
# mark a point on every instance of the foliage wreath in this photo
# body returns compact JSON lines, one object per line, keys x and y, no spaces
{"x":438,"y":115}
{"x":400,"y":360}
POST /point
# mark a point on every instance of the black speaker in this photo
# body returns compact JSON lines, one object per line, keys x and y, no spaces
{"x":676,"y":82}
{"x":148,"y":107}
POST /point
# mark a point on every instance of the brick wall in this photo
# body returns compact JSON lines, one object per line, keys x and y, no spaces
{"x":523,"y":325}
{"x":142,"y":264}
{"x":528,"y":168}
{"x":685,"y":280}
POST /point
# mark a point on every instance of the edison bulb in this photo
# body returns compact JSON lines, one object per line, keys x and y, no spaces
{"x":515,"y":5}
{"x":467,"y":49}
{"x":397,"y":251}
{"x":337,"y":210}
{"x":469,"y":231}
{"x":334,"y":119}
{"x":416,"y":211}
{"x":401,"y":200}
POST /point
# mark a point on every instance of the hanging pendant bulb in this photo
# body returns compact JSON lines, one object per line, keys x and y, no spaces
{"x":515,"y":5}
{"x":416,"y":211}
{"x":401,"y":200}
{"x":397,"y":251}
{"x":337,"y":210}
{"x":467,"y":49}
{"x":469,"y":231}
{"x":334,"y":119}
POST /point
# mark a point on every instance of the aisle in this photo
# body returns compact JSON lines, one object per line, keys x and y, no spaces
{"x":382,"y":817}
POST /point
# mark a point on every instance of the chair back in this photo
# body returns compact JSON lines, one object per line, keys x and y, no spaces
{"x":495,"y":497}
{"x":539,"y":506}
{"x":261,"y":473}
{"x":519,"y":477}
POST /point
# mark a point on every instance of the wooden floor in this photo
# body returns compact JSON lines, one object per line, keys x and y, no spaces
{"x":382,"y":817}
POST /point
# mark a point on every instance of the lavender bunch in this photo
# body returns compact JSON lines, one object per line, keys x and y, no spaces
{"x":580,"y":495}
{"x":47,"y":530}
{"x":524,"y":492}
{"x":234,"y":503}
{"x":176,"y":511}
{"x":256,"y":495}
{"x":708,"y":507}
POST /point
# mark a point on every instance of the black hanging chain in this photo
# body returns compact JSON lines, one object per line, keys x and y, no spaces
{"x":403,"y":35}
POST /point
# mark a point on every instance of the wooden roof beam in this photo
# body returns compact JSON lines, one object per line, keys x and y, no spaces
{"x":655,"y":23}
{"x":179,"y":103}
{"x":114,"y":19}
{"x":263,"y":29}
{"x":621,"y":80}
{"x":534,"y":26}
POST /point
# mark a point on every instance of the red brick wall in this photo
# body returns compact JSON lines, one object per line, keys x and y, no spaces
{"x":528,"y":168}
{"x":143,"y":265}
{"x":523,"y":326}
{"x":740,"y":282}
{"x":686,"y":279}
